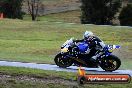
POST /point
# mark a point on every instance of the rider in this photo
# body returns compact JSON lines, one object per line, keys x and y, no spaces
{"x":94,"y":43}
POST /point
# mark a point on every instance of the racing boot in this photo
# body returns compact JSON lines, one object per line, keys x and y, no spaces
{"x":94,"y":61}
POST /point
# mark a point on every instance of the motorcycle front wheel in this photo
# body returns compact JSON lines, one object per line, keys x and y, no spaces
{"x":110,"y":63}
{"x":61,"y":61}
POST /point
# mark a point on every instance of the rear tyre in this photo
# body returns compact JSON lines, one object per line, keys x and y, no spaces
{"x":61,"y":61}
{"x":110,"y":63}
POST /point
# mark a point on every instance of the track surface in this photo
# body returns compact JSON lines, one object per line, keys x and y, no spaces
{"x":56,"y":68}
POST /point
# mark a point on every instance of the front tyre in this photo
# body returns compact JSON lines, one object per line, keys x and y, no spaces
{"x":61,"y":61}
{"x":110,"y":63}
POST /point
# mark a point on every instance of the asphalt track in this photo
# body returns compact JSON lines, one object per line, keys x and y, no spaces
{"x":56,"y":68}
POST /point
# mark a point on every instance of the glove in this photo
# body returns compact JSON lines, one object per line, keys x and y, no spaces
{"x":87,"y":51}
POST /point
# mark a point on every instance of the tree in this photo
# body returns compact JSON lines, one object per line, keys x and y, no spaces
{"x":33,"y":7}
{"x":125,"y":16}
{"x":11,"y":8}
{"x":99,"y":11}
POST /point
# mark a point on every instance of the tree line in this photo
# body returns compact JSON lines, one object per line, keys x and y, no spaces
{"x":100,"y":12}
{"x":13,"y":8}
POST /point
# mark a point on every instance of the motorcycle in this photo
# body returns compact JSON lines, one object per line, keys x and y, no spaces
{"x":73,"y":54}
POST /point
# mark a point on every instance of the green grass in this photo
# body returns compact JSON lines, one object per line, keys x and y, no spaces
{"x":43,"y":74}
{"x":18,"y":71}
{"x":40,"y":41}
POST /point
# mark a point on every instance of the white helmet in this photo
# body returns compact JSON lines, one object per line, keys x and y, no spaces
{"x":87,"y":34}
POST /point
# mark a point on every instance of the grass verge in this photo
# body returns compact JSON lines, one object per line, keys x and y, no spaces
{"x":14,"y":77}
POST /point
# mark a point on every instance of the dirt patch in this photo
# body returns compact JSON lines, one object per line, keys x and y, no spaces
{"x":50,"y":80}
{"x":49,"y":7}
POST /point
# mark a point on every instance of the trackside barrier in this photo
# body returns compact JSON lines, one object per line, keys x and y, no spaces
{"x":83,"y":78}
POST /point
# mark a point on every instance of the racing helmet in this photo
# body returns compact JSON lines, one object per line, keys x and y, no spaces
{"x":88,"y":34}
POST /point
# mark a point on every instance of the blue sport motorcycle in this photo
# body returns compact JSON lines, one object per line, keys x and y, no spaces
{"x":73,"y":54}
